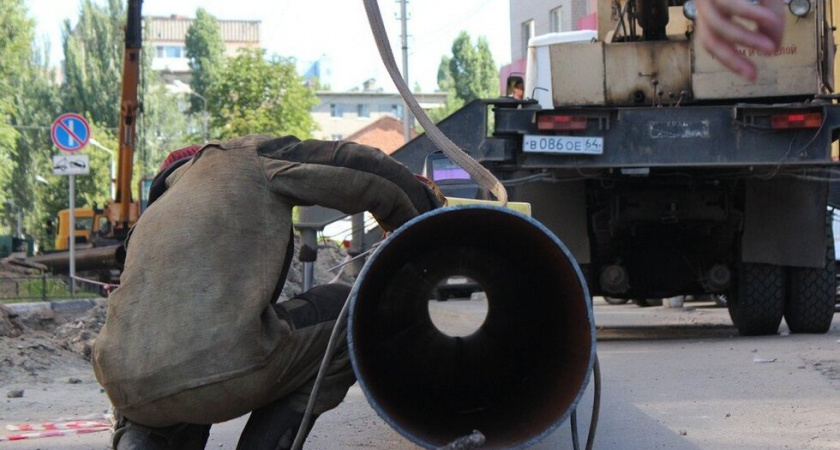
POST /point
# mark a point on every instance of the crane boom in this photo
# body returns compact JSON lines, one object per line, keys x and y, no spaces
{"x":123,"y":210}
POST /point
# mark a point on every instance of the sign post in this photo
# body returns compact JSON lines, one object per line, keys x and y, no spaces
{"x":71,"y":132}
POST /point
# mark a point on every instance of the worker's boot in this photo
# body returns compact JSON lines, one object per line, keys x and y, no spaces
{"x":272,"y":427}
{"x":130,"y":435}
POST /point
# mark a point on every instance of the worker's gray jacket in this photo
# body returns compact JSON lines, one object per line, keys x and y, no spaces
{"x":194,"y":302}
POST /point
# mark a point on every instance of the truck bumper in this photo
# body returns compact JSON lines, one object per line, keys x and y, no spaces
{"x":697,"y":136}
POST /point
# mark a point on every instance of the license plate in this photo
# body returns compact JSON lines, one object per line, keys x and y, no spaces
{"x":564,"y":145}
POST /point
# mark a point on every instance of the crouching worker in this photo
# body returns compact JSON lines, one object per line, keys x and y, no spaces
{"x":193,"y":335}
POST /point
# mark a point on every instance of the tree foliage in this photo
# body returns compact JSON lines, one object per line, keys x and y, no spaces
{"x":164,"y":127}
{"x":28,"y":102}
{"x":205,"y":50}
{"x":469,"y":74}
{"x":259,"y":95}
{"x":472,"y":69}
{"x":93,"y":56}
{"x":15,"y":51}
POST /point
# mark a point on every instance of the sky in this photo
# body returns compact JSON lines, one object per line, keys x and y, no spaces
{"x":333,"y":29}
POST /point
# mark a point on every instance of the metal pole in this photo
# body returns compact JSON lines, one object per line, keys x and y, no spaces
{"x":113,"y":177}
{"x":407,"y":119}
{"x":204,"y":121}
{"x":72,"y":237}
{"x":357,"y":245}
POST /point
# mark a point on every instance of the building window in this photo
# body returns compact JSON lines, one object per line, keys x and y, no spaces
{"x":556,"y":17}
{"x":336,"y":137}
{"x":397,"y":111}
{"x":335,"y":110}
{"x":363,"y":110}
{"x":169,"y":51}
{"x":527,"y":34}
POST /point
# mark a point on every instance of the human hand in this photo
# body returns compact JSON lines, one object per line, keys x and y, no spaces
{"x":720,"y":33}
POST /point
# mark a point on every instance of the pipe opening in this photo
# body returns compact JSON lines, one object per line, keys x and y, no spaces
{"x":458,"y":306}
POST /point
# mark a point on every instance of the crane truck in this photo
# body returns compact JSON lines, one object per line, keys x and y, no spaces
{"x":666,"y":174}
{"x":101,"y":233}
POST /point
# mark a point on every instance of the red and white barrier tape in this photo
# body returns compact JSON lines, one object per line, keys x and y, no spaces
{"x":73,"y":425}
{"x":91,"y":423}
{"x":107,"y":286}
{"x":53,"y":433}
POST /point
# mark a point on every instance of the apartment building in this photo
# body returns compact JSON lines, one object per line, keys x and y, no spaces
{"x":340,"y":114}
{"x":165,"y":37}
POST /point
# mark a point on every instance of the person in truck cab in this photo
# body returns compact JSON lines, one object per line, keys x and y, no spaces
{"x":721,"y":27}
{"x":194,"y":334}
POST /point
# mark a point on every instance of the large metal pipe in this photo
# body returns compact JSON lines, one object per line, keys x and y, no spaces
{"x":95,"y":258}
{"x":517,"y":377}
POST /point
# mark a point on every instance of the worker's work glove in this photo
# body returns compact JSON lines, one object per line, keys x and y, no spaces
{"x":349,"y":177}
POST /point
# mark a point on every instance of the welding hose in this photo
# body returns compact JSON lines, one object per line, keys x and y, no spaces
{"x":596,"y":410}
{"x":328,"y":356}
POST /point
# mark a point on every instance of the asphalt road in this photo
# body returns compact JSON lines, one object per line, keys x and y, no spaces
{"x":673,"y":378}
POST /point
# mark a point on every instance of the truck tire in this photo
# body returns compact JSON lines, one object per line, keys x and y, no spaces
{"x":756,"y":304}
{"x":812,"y":293}
{"x":616,"y":301}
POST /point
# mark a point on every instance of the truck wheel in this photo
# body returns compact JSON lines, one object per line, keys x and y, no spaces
{"x":812,"y":293}
{"x":757,"y":303}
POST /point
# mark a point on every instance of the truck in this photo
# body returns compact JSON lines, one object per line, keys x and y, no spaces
{"x":664,"y":173}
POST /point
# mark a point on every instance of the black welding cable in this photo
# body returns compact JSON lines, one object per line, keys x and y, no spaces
{"x":596,"y":405}
{"x":328,"y":355}
{"x":573,"y":424}
{"x":596,"y":410}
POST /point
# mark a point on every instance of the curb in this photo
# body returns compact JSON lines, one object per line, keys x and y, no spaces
{"x":69,"y":305}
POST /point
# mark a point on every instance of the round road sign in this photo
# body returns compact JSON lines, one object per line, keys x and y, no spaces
{"x":70,"y":132}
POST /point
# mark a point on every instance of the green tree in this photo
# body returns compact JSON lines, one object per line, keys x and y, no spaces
{"x":165,"y":127}
{"x":469,"y":74}
{"x":36,"y":107}
{"x":259,"y":95}
{"x":16,"y":32}
{"x":205,"y":50}
{"x":473,"y":71}
{"x":93,"y":55}
{"x":28,"y":104}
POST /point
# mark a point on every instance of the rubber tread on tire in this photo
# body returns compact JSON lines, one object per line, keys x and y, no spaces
{"x":757,"y":304}
{"x":812,"y":292}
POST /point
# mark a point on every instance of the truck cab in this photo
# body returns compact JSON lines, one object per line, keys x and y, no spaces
{"x":88,"y":223}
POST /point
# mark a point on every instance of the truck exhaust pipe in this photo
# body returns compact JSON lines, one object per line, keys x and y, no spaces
{"x":518,"y":376}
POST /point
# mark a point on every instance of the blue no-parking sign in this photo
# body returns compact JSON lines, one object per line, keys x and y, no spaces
{"x":70,"y":132}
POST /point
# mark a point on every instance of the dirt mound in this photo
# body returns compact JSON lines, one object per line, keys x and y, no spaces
{"x":77,"y":335}
{"x":10,"y":324}
{"x":29,"y":349}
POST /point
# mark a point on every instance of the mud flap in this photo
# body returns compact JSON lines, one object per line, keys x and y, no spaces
{"x":784,"y":222}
